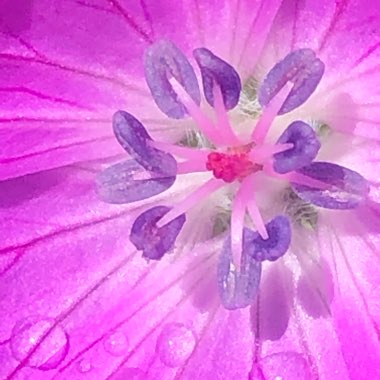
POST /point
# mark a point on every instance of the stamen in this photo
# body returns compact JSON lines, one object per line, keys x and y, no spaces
{"x":303,"y":69}
{"x":269,"y":113}
{"x":181,"y":151}
{"x":215,"y":71}
{"x":134,"y":138}
{"x":249,"y":199}
{"x":191,"y":200}
{"x":191,"y":166}
{"x":222,"y":120}
{"x":238,"y":288}
{"x":305,"y":148}
{"x":237,"y":227}
{"x":296,"y":177}
{"x":347,"y":188}
{"x":152,"y":240}
{"x":204,"y":123}
{"x":163,"y":61}
{"x":128,"y":182}
{"x":261,"y":153}
{"x":278,"y":242}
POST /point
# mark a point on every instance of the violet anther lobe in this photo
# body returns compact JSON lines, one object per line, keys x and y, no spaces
{"x":278,"y":242}
{"x":215,"y":71}
{"x":305,"y":147}
{"x":303,"y":69}
{"x":238,"y":287}
{"x":128,"y":182}
{"x":163,"y":61}
{"x":154,"y":241}
{"x":348,"y":188}
{"x":134,"y":138}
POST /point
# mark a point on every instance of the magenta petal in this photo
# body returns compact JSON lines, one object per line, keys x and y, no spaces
{"x":64,"y":90}
{"x":67,"y":66}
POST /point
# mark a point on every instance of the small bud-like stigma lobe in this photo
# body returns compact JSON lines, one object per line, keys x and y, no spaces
{"x":305,"y":148}
{"x":152,"y":240}
{"x":163,"y":61}
{"x":134,"y":138}
{"x":215,"y":71}
{"x":348,"y":188}
{"x":278,"y":242}
{"x":303,"y":69}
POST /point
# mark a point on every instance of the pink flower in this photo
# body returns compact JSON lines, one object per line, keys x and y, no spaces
{"x":291,"y":174}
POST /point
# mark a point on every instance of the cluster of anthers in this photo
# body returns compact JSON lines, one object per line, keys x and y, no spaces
{"x":229,"y":159}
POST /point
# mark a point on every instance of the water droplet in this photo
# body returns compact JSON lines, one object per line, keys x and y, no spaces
{"x":282,"y":366}
{"x":35,"y":338}
{"x":84,"y":366}
{"x":116,"y":343}
{"x":175,"y":344}
{"x":129,"y":374}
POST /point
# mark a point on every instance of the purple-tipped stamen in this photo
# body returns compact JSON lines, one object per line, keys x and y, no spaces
{"x":128,"y":182}
{"x":163,"y":60}
{"x":214,"y":72}
{"x":191,"y":200}
{"x":303,"y":69}
{"x":305,"y":148}
{"x":238,"y":287}
{"x":347,"y":189}
{"x":152,"y":240}
{"x":277,"y":243}
{"x":134,"y":138}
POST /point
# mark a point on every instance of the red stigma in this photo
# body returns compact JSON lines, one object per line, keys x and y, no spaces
{"x":231,"y":166}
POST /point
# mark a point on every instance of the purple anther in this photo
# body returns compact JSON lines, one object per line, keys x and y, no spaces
{"x":163,"y":61}
{"x":305,"y":148}
{"x":215,"y":71}
{"x":348,"y":188}
{"x":128,"y":182}
{"x":278,"y":242}
{"x":303,"y":69}
{"x":154,"y":241}
{"x":238,"y":288}
{"x":134,"y":138}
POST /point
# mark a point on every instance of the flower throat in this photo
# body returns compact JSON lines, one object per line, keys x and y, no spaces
{"x":233,"y":162}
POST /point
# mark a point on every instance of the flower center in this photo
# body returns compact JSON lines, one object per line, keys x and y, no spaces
{"x":231,"y":166}
{"x":291,"y":158}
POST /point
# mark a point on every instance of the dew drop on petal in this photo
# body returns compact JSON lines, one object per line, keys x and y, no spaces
{"x":129,"y":373}
{"x":116,"y":343}
{"x":175,"y":344}
{"x":37,"y":339}
{"x":282,"y":366}
{"x":84,"y":366}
